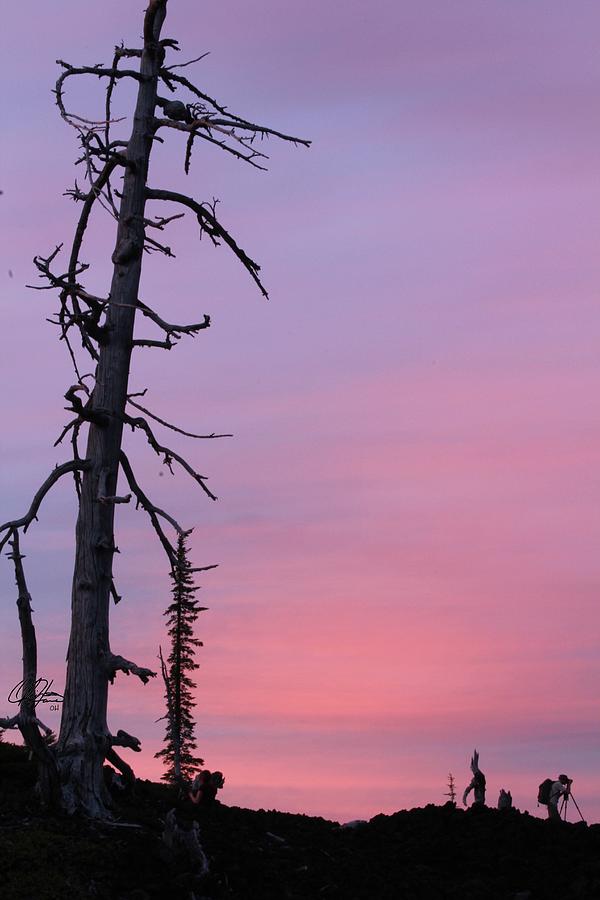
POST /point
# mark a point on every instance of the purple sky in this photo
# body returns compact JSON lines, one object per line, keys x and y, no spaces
{"x":407,"y":525}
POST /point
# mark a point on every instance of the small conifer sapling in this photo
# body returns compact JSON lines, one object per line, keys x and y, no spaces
{"x":451,"y":792}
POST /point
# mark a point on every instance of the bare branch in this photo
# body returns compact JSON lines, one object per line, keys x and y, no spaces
{"x":223,"y":126}
{"x":12,"y":722}
{"x":68,"y":282}
{"x":103,"y":496}
{"x":249,"y":158}
{"x":85,"y":411}
{"x":150,"y":244}
{"x":194,"y":119}
{"x":171,"y":43}
{"x":209,"y":224}
{"x":116,"y":664}
{"x":153,"y":511}
{"x":102,"y":499}
{"x":148,"y":342}
{"x":189,"y":63}
{"x":168,"y":454}
{"x":25,"y":521}
{"x":65,"y":431}
{"x":112,"y":73}
{"x":113,"y":757}
{"x":87,"y":322}
{"x":120,"y":51}
{"x":99,"y":304}
{"x":98,"y":70}
{"x":188,"y":152}
{"x":174,"y":427}
{"x":76,"y":456}
{"x":123,"y":739}
{"x":47,"y":731}
{"x":161,"y":222}
{"x":89,"y":200}
{"x":169,"y":76}
{"x":165,"y":677}
{"x":173,"y":330}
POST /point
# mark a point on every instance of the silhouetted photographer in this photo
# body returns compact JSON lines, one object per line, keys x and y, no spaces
{"x":555,"y":795}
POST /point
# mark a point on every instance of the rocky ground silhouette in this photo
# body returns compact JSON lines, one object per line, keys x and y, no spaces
{"x":419,"y":854}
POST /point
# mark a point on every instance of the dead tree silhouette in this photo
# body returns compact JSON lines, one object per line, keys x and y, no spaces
{"x":100,"y":403}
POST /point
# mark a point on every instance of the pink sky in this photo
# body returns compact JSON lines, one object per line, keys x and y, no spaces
{"x":408,"y":514}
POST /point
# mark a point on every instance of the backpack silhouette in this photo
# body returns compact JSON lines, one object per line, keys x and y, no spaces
{"x":544,"y":791}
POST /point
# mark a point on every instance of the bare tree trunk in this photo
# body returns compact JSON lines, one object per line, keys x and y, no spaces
{"x":170,"y":716}
{"x":26,"y":720}
{"x":84,"y":737}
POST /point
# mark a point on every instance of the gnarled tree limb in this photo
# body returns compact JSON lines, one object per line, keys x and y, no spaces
{"x":167,"y":454}
{"x":170,"y":329}
{"x":10,"y":722}
{"x":123,"y":739}
{"x":101,"y":72}
{"x":153,"y":511}
{"x":113,"y":757}
{"x":116,"y":664}
{"x":169,"y":76}
{"x":174,"y":427}
{"x":25,"y":521}
{"x":209,"y":224}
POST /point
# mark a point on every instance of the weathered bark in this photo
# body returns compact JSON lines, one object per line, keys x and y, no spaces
{"x":84,"y":737}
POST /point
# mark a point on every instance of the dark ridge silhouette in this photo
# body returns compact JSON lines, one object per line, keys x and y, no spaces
{"x":423,"y":854}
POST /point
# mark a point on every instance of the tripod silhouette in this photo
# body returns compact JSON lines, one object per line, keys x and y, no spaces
{"x":564,"y":806}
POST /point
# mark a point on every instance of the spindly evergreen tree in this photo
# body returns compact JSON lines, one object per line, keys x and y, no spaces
{"x":180,"y":740}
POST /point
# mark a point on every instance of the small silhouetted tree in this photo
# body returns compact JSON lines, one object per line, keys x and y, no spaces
{"x":180,"y":739}
{"x":101,"y":335}
{"x":451,"y":792}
